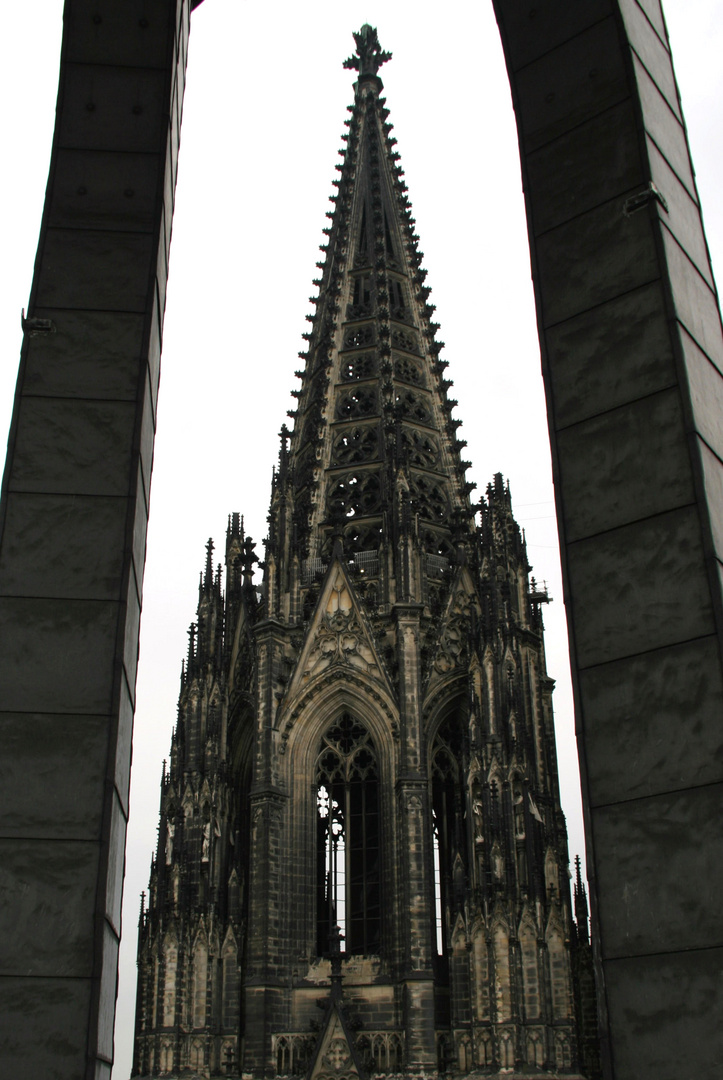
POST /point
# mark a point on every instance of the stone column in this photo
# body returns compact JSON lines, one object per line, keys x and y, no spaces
{"x":417,"y":918}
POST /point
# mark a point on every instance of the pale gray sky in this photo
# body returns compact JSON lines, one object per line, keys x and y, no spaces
{"x":265,"y":105}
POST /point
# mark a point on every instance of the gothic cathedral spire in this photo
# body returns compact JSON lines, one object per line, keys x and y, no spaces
{"x":362,"y":813}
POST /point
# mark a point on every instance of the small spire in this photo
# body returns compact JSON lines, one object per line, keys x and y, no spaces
{"x":208,"y":577}
{"x":284,"y":436}
{"x":370,"y":55}
{"x":248,"y":558}
{"x":581,"y":909}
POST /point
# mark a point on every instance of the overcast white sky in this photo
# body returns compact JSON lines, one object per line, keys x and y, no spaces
{"x":264,"y":111}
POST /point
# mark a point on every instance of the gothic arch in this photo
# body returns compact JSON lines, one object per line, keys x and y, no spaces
{"x":239,"y":734}
{"x":451,"y":700}
{"x":322,"y":706}
{"x":326,"y":698}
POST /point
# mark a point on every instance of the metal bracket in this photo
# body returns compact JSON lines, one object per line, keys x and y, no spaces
{"x":644,"y":198}
{"x":33,"y":327}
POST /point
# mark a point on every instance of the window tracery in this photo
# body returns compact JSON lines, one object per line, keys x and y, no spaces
{"x":448,"y":826}
{"x":356,"y":495}
{"x":397,"y":299}
{"x":356,"y":445}
{"x":348,"y":839}
{"x":428,"y":499}
{"x":414,"y":406}
{"x":360,"y":305}
{"x":358,"y":336}
{"x":362,"y":366}
{"x":359,"y":402}
{"x":404,"y":339}
{"x":422,"y":449}
{"x":409,"y":370}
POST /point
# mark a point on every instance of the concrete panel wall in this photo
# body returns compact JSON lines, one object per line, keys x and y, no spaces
{"x":73,"y":527}
{"x":632,"y":356}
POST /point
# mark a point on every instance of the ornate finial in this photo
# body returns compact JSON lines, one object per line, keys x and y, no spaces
{"x":208,"y":578}
{"x":370,"y":55}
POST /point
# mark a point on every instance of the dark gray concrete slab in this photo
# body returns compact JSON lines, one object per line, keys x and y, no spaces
{"x":660,"y":1011}
{"x":630,"y":484}
{"x":575,"y":155}
{"x":73,"y":519}
{"x":631,"y":343}
{"x":615,"y":353}
{"x":639,"y":588}
{"x":68,"y":757}
{"x":652,"y":722}
{"x":649,"y":870}
{"x":48,"y":887}
{"x":41,"y":1037}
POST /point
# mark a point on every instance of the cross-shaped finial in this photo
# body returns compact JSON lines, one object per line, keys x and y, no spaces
{"x":370,"y":55}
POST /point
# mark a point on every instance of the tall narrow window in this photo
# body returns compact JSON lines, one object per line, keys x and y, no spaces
{"x":396,"y":295}
{"x":347,"y":852}
{"x":388,"y":237}
{"x":438,"y":916}
{"x":362,"y":290}
{"x":362,"y":253}
{"x":448,"y":830}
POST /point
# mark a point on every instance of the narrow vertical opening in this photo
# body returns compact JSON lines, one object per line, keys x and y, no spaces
{"x":437,"y":887}
{"x":348,"y":840}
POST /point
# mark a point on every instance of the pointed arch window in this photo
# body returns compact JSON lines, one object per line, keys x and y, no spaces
{"x":448,"y":828}
{"x":348,"y":879}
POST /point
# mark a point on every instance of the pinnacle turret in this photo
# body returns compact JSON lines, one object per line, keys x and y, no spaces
{"x":580,"y":901}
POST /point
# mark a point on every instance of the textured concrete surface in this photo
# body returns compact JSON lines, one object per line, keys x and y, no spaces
{"x":72,"y":548}
{"x":631,"y":345}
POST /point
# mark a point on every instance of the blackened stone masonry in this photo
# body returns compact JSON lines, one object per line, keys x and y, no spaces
{"x":362,"y":864}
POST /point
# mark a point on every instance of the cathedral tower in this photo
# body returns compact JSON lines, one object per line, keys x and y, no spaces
{"x":362,"y":861}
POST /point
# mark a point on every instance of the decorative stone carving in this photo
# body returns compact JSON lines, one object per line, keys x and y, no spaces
{"x":340,"y":636}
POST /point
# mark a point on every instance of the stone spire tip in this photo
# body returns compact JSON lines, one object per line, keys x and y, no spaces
{"x":369,"y":54}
